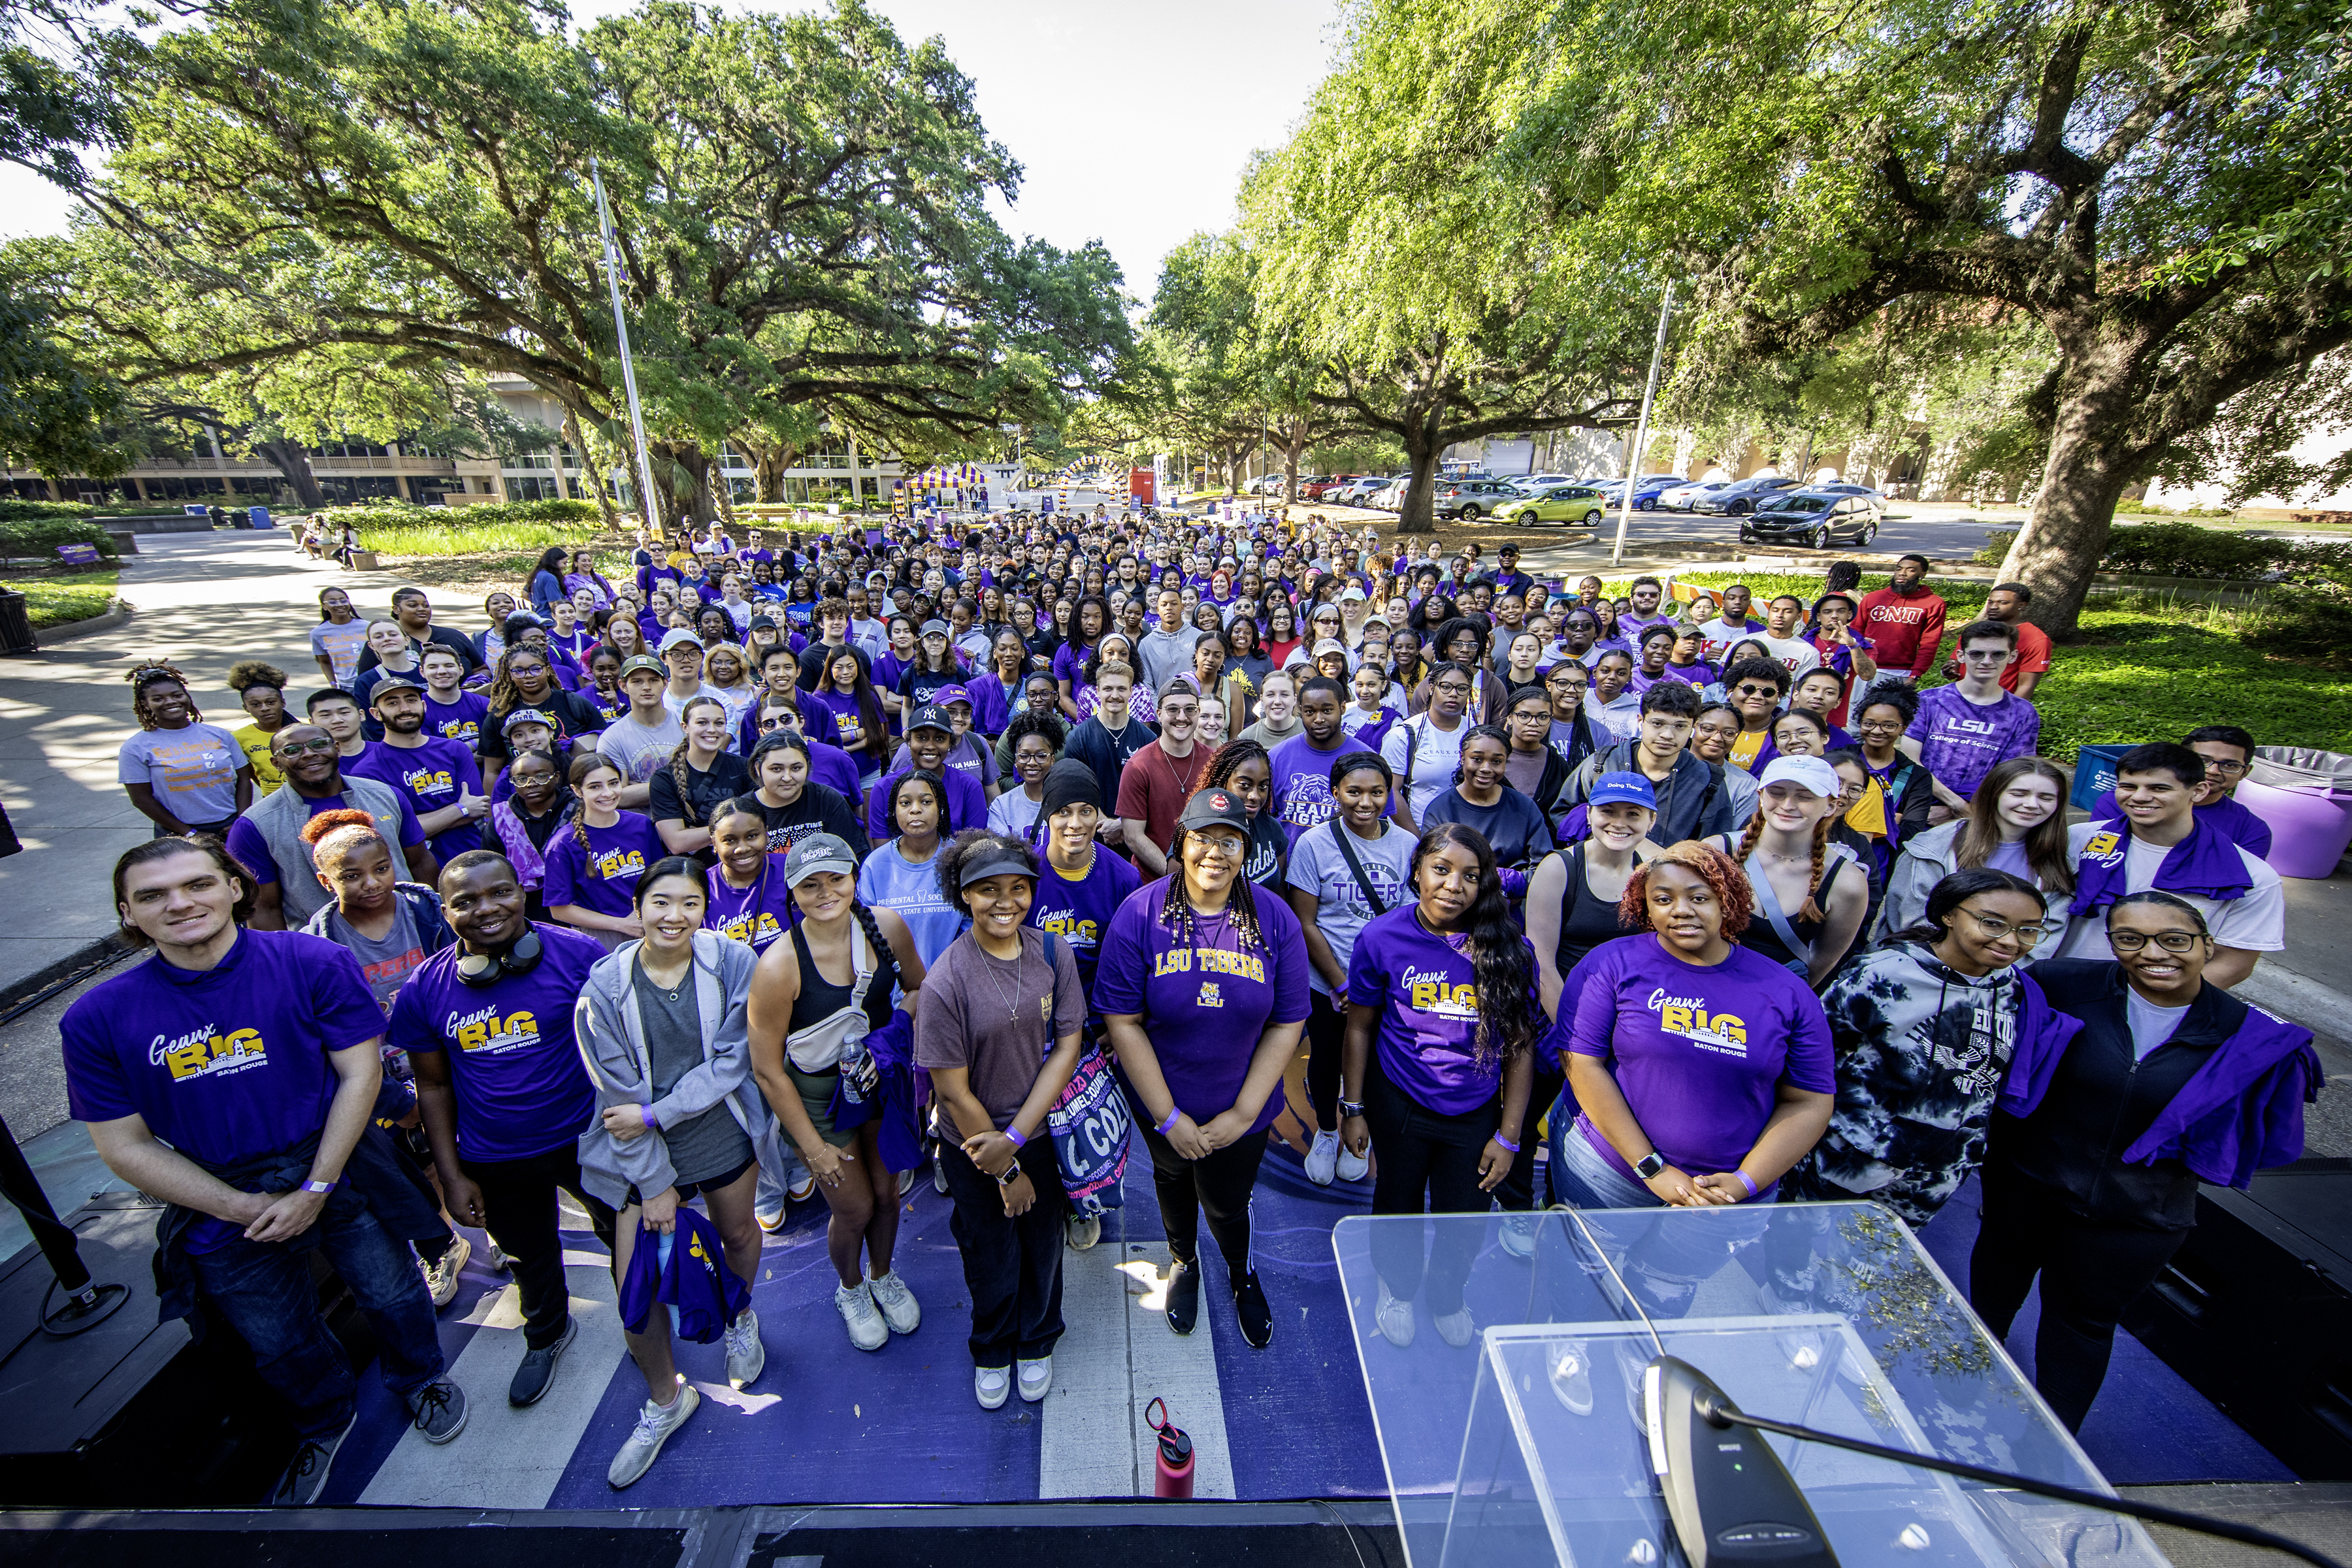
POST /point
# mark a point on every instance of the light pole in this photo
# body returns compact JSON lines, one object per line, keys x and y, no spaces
{"x":628,"y":367}
{"x":1642,"y":429}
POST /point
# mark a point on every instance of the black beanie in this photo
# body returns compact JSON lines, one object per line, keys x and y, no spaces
{"x":1068,"y":782}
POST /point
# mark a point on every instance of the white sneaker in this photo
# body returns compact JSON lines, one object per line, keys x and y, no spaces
{"x":1353,"y":1167}
{"x":803,"y":1189}
{"x":1394,"y":1318}
{"x":441,"y":1277}
{"x":1323,"y":1158}
{"x":868,"y":1331}
{"x":939,"y":1172}
{"x":746,"y":1356}
{"x":499,"y":1259}
{"x":992,"y":1385}
{"x":897,"y":1302}
{"x":653,"y":1427}
{"x":906,"y":1181}
{"x":1569,"y":1372}
{"x":1455,"y":1327}
{"x":1085,"y":1230}
{"x":1519,"y":1237}
{"x":1036,"y":1377}
{"x":771,"y":1220}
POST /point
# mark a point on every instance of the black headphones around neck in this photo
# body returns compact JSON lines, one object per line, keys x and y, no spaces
{"x":488,"y":969}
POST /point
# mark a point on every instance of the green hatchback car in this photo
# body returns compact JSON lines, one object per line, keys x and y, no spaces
{"x":1555,"y":503}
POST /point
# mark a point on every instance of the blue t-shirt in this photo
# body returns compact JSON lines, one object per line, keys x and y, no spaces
{"x":252,"y":850}
{"x":521,"y":1088}
{"x":1205,"y":1004}
{"x":888,"y":880}
{"x":601,"y":875}
{"x":1699,"y":1052}
{"x":225,"y":1064}
{"x":1425,"y":989}
{"x":427,"y":778}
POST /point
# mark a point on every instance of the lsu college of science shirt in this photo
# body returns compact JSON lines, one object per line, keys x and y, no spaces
{"x":521,"y":1090}
{"x":225,"y":1064}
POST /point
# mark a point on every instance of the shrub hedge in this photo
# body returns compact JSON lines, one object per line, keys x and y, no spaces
{"x":37,"y":537}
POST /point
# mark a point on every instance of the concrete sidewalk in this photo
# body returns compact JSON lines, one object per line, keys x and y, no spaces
{"x":201,"y":601}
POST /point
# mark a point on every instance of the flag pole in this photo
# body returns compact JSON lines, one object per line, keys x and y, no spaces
{"x":1642,"y":429}
{"x":628,"y":367}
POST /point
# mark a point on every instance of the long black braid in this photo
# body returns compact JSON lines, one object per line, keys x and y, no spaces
{"x":1499,"y":953}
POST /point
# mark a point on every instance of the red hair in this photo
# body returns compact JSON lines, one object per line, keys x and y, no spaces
{"x":1720,"y":872}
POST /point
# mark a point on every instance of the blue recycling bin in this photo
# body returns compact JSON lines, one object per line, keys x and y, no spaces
{"x":258,"y":517}
{"x":197,"y":510}
{"x":2095,"y":773}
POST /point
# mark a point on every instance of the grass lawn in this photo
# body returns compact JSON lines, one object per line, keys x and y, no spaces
{"x":52,"y":600}
{"x":2142,"y":667}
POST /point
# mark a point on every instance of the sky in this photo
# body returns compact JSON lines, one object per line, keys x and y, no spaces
{"x":1132,"y":119}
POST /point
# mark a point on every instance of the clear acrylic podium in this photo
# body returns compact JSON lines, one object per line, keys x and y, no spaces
{"x":1526,"y":1444}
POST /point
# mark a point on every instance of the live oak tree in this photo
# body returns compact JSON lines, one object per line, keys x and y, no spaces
{"x":801,"y":202}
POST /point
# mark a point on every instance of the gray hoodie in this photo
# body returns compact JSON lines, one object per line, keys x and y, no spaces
{"x":610,"y":1032}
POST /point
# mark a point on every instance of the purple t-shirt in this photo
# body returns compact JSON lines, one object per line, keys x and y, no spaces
{"x":429,"y":778}
{"x":460,"y":720}
{"x":1302,"y":780}
{"x":225,"y":1064}
{"x":1070,"y":663}
{"x":1698,"y":1052}
{"x":1959,"y":742}
{"x":1204,"y":1006}
{"x":521,"y":1090}
{"x":1080,"y":910}
{"x":756,"y":915}
{"x":837,"y":711}
{"x":601,"y":875}
{"x":252,"y":850}
{"x":1425,"y":989}
{"x":967,"y":803}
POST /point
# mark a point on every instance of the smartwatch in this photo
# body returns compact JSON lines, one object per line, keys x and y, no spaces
{"x":319,"y":1186}
{"x":1012,"y":1175}
{"x":1649,"y":1164}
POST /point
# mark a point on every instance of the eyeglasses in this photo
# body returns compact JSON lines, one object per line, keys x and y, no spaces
{"x":2229,"y":769}
{"x":1451,"y":688}
{"x":1994,"y":928}
{"x":2170,"y":941}
{"x":1878,"y":726}
{"x":1987,"y":655}
{"x":1223,"y":849}
{"x":296,"y":748}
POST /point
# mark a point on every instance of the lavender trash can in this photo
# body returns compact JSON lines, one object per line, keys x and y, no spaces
{"x":2305,"y":795}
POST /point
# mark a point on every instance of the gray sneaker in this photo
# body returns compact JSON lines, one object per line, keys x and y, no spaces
{"x":538,"y":1369}
{"x":439,"y":1408}
{"x":897,"y":1302}
{"x":653,"y":1427}
{"x":1085,"y":1230}
{"x":306,"y":1475}
{"x":868,"y":1331}
{"x":746,"y":1356}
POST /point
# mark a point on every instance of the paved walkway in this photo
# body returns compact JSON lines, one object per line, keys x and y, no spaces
{"x":203,"y":601}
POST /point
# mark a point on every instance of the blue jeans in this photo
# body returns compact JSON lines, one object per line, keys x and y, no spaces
{"x":264,"y":1291}
{"x":1663,"y":1260}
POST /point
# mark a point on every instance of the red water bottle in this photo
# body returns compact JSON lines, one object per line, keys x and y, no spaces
{"x":1173,"y":1475}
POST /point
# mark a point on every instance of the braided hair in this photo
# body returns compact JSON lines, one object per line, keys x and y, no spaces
{"x":146,"y":674}
{"x":679,"y":766}
{"x":581,"y":767}
{"x":1227,"y":759}
{"x":1495,"y":732}
{"x":1810,"y":910}
{"x":1176,"y":911}
{"x":930,"y":780}
{"x":1498,"y":954}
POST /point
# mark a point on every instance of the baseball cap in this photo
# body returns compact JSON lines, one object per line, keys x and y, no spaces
{"x":1330,"y":645}
{"x":931,"y":716}
{"x":1352,"y":593}
{"x":394,"y":683}
{"x":1215,"y":806}
{"x":637,"y":661}
{"x":762,"y":623}
{"x":525,"y":716}
{"x":817,"y":852}
{"x":946,"y":694}
{"x":679,"y":636}
{"x":1811,"y":774}
{"x":937,"y":628}
{"x":1622,"y":789}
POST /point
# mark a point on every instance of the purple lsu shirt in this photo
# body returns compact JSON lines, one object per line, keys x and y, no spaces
{"x":756,"y":915}
{"x":1203,"y":1006}
{"x":521,"y":1090}
{"x":602,"y":875}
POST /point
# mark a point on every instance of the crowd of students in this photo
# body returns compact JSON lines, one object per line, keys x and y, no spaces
{"x":987,"y":850}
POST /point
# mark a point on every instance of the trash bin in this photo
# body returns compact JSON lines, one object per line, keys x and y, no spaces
{"x":2094,"y":775}
{"x":2305,"y":795}
{"x":257,"y":517}
{"x":15,"y":624}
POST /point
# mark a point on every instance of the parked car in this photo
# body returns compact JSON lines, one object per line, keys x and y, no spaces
{"x":1743,"y":496}
{"x":1646,"y":490}
{"x":1815,"y":519}
{"x":1358,"y":491}
{"x":1471,"y":499}
{"x":1546,"y":481}
{"x":1843,"y":488}
{"x":1555,"y":503}
{"x":1321,"y":487}
{"x":1681,"y":498}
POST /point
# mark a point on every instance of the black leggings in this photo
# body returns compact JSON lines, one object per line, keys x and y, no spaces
{"x":2091,"y":1271}
{"x":1219,"y":1185}
{"x":1327,"y":1031}
{"x":1425,"y":1151}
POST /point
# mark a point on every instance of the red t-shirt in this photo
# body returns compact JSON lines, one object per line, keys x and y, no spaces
{"x":1154,"y":786}
{"x":2032,"y":655}
{"x":1903,"y":632}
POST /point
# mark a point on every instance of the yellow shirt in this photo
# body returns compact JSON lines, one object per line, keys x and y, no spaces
{"x":255,"y":746}
{"x":1747,"y":747}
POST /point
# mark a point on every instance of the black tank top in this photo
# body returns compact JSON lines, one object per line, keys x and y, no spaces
{"x":1585,"y":922}
{"x":820,"y":998}
{"x":1760,"y":938}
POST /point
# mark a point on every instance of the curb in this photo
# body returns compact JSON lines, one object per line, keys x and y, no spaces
{"x":119,"y":613}
{"x":19,"y":990}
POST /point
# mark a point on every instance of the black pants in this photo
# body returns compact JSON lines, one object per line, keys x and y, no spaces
{"x":1327,"y":1031}
{"x":1219,"y":1186}
{"x":519,"y":1211}
{"x":2090,"y":1271}
{"x":1424,"y":1151}
{"x":1011,"y":1266}
{"x":1517,"y":1190}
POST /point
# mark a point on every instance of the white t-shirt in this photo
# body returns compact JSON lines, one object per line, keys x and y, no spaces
{"x":2151,"y":1025}
{"x":2256,"y":923}
{"x":1621,"y":718}
{"x":1795,"y":654}
{"x":1435,"y":755}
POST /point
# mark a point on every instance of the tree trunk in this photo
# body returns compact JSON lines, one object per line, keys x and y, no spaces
{"x":683,"y":468}
{"x":2059,"y":548}
{"x":1421,"y":450}
{"x":1293,"y":449}
{"x":592,"y":469}
{"x":768,"y":466}
{"x":295,"y":464}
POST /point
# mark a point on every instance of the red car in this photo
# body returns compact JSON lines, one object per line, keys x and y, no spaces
{"x":1316,"y":490}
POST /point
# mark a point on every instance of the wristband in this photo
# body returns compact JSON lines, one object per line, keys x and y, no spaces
{"x":1746,"y":1180}
{"x":648,"y":1112}
{"x":1170,"y":1125}
{"x":317,"y":1187}
{"x":1505,"y":1143}
{"x":1020,"y":1140}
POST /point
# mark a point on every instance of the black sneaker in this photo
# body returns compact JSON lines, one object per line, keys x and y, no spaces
{"x":439,"y":1410}
{"x":538,"y":1369}
{"x":1250,"y":1307}
{"x":306,"y":1476}
{"x":1183,"y":1297}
